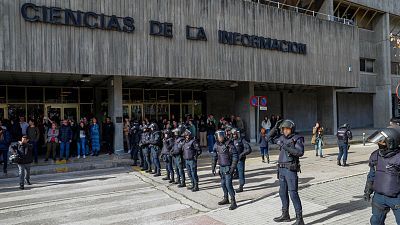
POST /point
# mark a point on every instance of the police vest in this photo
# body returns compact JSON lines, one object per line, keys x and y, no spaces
{"x":177,"y":148}
{"x":387,"y":174}
{"x":285,"y":157}
{"x":342,"y":135}
{"x":167,"y":146}
{"x":224,"y":154}
{"x":190,"y":150}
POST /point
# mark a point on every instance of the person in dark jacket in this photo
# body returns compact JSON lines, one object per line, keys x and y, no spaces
{"x":65,"y":139}
{"x":243,"y":149}
{"x":33,"y":133}
{"x":15,"y":131}
{"x":82,"y":134}
{"x":24,"y":150}
{"x":210,"y":133}
{"x":263,"y":145}
{"x":108,"y":135}
{"x":343,"y":135}
{"x":5,"y":140}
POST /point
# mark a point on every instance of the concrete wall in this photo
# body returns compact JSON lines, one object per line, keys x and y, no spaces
{"x":391,"y":6}
{"x":301,"y":108}
{"x":220,"y":103}
{"x":355,"y":109}
{"x":50,"y":48}
{"x":274,"y":103}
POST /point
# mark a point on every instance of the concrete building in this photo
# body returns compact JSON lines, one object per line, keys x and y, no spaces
{"x":331,"y":61}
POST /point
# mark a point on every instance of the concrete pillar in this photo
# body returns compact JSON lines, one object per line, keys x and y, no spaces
{"x":115,"y":111}
{"x":327,"y":109}
{"x":383,"y":96}
{"x":327,"y":7}
{"x":243,"y":109}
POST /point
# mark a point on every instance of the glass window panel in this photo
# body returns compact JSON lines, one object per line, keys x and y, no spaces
{"x":125,"y":111}
{"x":70,"y":95}
{"x":187,"y":96}
{"x":198,"y":96}
{"x":86,"y":95}
{"x":175,"y":96}
{"x":198,"y":110}
{"x":3,"y":91}
{"x":369,"y":66}
{"x":104,"y":95}
{"x":16,"y":110}
{"x":125,"y":95}
{"x":150,"y":111}
{"x":35,"y":94}
{"x":36,"y":112}
{"x":137,"y":95}
{"x":150,"y":95}
{"x":52,"y":95}
{"x":86,"y":110}
{"x":187,"y":110}
{"x":175,"y":110}
{"x":362,"y":65}
{"x":16,"y":94}
{"x":162,"y":111}
{"x":162,"y":96}
{"x":2,"y":113}
{"x":136,"y":112}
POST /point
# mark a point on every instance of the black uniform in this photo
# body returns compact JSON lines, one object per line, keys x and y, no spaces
{"x":178,"y":161}
{"x":135,"y":134}
{"x":243,"y":148}
{"x":166,"y":152}
{"x":191,"y":151}
{"x":144,"y":145}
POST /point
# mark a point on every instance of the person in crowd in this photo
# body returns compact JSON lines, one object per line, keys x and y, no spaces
{"x":177,"y":155}
{"x":226,"y":155}
{"x":343,"y":135}
{"x":166,"y":152}
{"x":155,"y":148}
{"x":108,"y":135}
{"x":23,"y":150}
{"x":240,"y":126}
{"x":273,"y":121}
{"x":65,"y":139}
{"x":203,"y":133}
{"x":317,"y":139}
{"x":126,"y":130}
{"x":144,"y":145}
{"x":210,"y":132}
{"x":95,"y":137}
{"x":233,"y":121}
{"x":23,"y":124}
{"x":75,"y":138}
{"x":5,"y":140}
{"x":192,"y":128}
{"x":263,"y":145}
{"x":15,"y":131}
{"x":243,"y":149}
{"x":33,"y":133}
{"x":82,"y":135}
{"x":191,"y":152}
{"x":266,"y":124}
{"x":52,"y":141}
{"x":135,"y":134}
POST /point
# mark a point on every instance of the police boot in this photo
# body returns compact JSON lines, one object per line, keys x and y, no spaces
{"x":195,"y":188}
{"x":233,"y":204}
{"x":267,"y":158}
{"x":158,"y":173}
{"x":152,"y":172}
{"x":338,"y":163}
{"x":190,"y":187}
{"x":181,"y":185}
{"x":178,"y":180}
{"x":167,"y":177}
{"x":172,"y":180}
{"x":344,"y":163}
{"x":285,"y":217}
{"x":240,"y":189}
{"x":299,"y":219}
{"x":224,"y":201}
{"x":263,"y":158}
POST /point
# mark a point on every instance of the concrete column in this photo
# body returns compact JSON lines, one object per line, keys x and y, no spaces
{"x":383,"y":96}
{"x":327,"y":109}
{"x":327,"y":7}
{"x":243,"y":109}
{"x":115,"y":111}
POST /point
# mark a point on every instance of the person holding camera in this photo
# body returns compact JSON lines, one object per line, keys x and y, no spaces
{"x":22,"y":155}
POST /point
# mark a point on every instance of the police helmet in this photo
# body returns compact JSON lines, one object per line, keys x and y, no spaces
{"x":144,"y":127}
{"x":187,"y":133}
{"x":153,"y":126}
{"x":220,"y":133}
{"x":288,"y":124}
{"x":228,"y":130}
{"x":388,"y":139}
{"x":179,"y":130}
{"x":235,"y":133}
{"x":167,"y":133}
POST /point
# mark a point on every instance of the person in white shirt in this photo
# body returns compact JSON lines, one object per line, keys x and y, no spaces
{"x":266,"y":124}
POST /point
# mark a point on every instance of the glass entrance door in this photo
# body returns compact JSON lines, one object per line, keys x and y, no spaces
{"x":133,"y":112}
{"x":3,"y":112}
{"x":57,"y":112}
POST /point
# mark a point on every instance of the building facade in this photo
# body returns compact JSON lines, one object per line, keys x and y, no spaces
{"x":329,"y":61}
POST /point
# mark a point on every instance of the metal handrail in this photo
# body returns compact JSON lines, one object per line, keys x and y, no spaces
{"x":308,"y":12}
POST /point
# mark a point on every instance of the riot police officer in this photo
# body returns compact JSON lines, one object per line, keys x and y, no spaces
{"x":343,"y":136}
{"x":134,"y":139}
{"x":226,"y":155}
{"x":144,"y":145}
{"x":155,"y":144}
{"x":243,"y":148}
{"x":177,"y":156}
{"x":384,"y":176}
{"x":166,"y":152}
{"x":191,"y":151}
{"x":291,"y":148}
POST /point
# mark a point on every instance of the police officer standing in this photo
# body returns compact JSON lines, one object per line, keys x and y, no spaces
{"x":291,"y":148}
{"x":134,"y":139}
{"x":384,"y":176}
{"x":226,"y":155}
{"x":191,"y":151}
{"x":155,"y":143}
{"x":166,"y":152}
{"x":343,"y":136}
{"x":243,"y":148}
{"x":177,"y":156}
{"x":144,"y":145}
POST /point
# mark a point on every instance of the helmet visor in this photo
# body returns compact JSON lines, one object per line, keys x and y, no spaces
{"x":378,"y":137}
{"x":220,"y":134}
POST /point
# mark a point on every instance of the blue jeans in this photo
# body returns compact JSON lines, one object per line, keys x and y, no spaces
{"x":64,"y":148}
{"x":226,"y":181}
{"x":318,"y":146}
{"x":155,"y":157}
{"x":168,"y":165}
{"x":381,"y":205}
{"x":343,"y":151}
{"x":191,"y":167}
{"x":35,"y":150}
{"x":240,"y":170}
{"x":264,"y":150}
{"x":5,"y":158}
{"x":289,"y":185}
{"x":147,"y":158}
{"x":210,"y":142}
{"x":180,"y":173}
{"x":81,"y":145}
